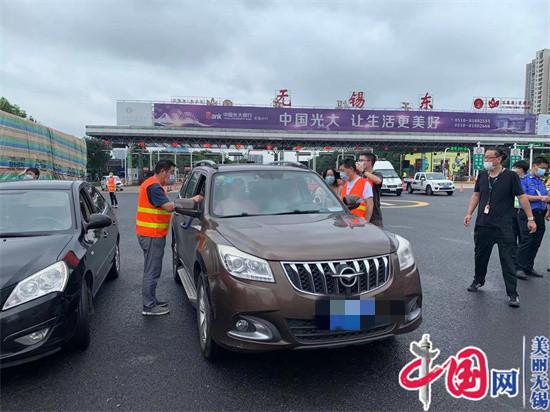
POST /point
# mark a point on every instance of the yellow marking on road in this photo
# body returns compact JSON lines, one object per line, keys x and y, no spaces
{"x":407,"y":203}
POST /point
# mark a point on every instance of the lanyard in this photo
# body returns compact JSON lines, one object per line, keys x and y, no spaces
{"x":491,"y":185}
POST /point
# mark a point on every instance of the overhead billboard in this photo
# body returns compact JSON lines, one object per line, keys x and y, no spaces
{"x":134,"y":114}
{"x":543,"y":125}
{"x":334,"y":120}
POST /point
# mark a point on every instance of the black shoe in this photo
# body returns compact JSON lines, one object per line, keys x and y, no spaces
{"x":535,"y":274}
{"x":520,"y":274}
{"x":513,"y":302}
{"x":475,"y":286}
{"x":162,"y":303}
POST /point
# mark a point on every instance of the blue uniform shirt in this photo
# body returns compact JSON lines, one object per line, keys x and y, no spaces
{"x":534,"y":186}
{"x":157,"y":195}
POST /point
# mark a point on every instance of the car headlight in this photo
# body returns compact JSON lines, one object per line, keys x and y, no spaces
{"x":245,"y":266}
{"x":51,"y":279}
{"x":404,"y":253}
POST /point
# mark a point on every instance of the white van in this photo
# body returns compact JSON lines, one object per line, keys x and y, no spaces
{"x":391,"y":183}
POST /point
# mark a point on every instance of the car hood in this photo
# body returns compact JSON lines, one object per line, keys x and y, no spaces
{"x":391,"y":180}
{"x":313,"y":237}
{"x":21,"y":257}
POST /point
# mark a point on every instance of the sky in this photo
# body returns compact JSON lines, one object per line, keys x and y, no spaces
{"x":67,"y":62}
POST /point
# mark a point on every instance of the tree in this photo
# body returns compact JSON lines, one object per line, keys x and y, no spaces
{"x":6,"y":106}
{"x":98,"y":155}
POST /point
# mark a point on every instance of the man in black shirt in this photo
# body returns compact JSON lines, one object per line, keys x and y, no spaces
{"x":365,"y":165}
{"x":494,"y":192}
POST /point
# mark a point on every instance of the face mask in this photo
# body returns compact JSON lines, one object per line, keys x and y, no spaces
{"x":329,"y":180}
{"x":488,"y":166}
{"x":171,"y":179}
{"x":516,"y":171}
{"x":28,"y":177}
{"x":540,"y":172}
{"x":344,"y":176}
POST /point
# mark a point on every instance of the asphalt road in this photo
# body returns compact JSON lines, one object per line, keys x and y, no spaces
{"x":137,"y":363}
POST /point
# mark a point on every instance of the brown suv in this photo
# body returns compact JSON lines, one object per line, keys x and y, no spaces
{"x":272,"y":259}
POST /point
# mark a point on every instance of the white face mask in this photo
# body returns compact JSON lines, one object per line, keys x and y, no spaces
{"x":488,"y":166}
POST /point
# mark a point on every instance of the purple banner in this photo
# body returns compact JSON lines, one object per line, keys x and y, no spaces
{"x":326,"y":120}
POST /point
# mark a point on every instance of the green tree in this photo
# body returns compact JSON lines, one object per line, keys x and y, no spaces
{"x":6,"y":106}
{"x":98,"y":155}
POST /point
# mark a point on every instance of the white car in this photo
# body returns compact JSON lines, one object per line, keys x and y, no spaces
{"x":391,"y":183}
{"x":119,"y":184}
{"x":430,"y":183}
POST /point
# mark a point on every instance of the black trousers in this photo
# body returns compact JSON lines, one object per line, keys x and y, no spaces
{"x":114,"y":201}
{"x":529,"y":243}
{"x":485,"y":238}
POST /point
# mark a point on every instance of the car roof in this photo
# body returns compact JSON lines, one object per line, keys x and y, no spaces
{"x":39,"y":184}
{"x":245,"y":167}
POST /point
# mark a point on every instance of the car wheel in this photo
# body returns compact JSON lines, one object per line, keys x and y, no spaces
{"x":210,"y":349}
{"x":175,"y":262}
{"x":410,"y":189}
{"x":115,"y":268}
{"x":398,"y":193}
{"x":450,"y":193}
{"x":429,"y":190}
{"x":81,"y":337}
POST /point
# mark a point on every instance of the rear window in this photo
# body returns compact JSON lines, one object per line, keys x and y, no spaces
{"x":27,"y":211}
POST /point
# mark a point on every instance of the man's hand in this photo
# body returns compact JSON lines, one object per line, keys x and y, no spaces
{"x":467,"y":220}
{"x":532,"y":226}
{"x":360,"y":166}
{"x":198,"y":198}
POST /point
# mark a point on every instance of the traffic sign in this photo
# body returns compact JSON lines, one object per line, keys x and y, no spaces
{"x":479,"y":153}
{"x":515,"y":155}
{"x":457,"y":149}
{"x":536,"y":144}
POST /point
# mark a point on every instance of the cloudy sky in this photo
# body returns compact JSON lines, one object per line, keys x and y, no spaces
{"x":67,"y":62}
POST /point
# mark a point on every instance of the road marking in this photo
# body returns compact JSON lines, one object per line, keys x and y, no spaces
{"x":400,"y":227}
{"x":462,"y":242}
{"x":403,"y":204}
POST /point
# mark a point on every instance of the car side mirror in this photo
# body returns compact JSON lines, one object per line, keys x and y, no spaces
{"x":352,"y":201}
{"x":98,"y":221}
{"x":422,"y":178}
{"x":187,"y":207}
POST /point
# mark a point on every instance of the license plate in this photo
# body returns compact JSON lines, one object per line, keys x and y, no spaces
{"x":356,"y":314}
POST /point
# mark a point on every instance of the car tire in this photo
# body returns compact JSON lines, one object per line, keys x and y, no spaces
{"x":81,"y":337}
{"x":398,"y":193}
{"x":410,"y":189}
{"x":175,"y":262}
{"x":450,"y":193}
{"x":209,"y":348}
{"x":115,"y":267}
{"x":429,"y":190}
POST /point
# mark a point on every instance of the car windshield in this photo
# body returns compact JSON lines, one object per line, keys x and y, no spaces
{"x":271,"y":192}
{"x":435,"y":176}
{"x":34,"y":211}
{"x":387,"y":173}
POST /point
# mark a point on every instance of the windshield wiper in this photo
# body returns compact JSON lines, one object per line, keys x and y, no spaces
{"x":243,"y":214}
{"x":22,"y":234}
{"x":299,"y":212}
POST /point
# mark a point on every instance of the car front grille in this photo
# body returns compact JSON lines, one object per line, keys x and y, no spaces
{"x":321,"y":277}
{"x":306,"y":331}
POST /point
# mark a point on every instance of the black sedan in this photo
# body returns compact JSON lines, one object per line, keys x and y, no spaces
{"x":58,"y":243}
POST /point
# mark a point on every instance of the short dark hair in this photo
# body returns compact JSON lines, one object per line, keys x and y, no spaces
{"x":539,"y":160}
{"x":521,"y":164}
{"x":371,"y":156}
{"x":163,"y":165}
{"x":501,"y":152}
{"x":349,"y":163}
{"x":33,"y":170}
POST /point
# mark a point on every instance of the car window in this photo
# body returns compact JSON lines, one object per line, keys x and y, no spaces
{"x":24,"y":211}
{"x":98,"y":201}
{"x":85,"y":207}
{"x":270,"y":192}
{"x":191,"y":185}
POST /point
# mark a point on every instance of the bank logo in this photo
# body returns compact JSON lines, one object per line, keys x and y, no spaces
{"x":467,"y":374}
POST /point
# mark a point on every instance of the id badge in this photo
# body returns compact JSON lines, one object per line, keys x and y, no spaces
{"x":487,"y":208}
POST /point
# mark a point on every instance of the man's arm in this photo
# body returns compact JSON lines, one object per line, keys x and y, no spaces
{"x":377,"y":180}
{"x":171,"y":206}
{"x":526,"y":206}
{"x":370,"y":207}
{"x":474,"y":202}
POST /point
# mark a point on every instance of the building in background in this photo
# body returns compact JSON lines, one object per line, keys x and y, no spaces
{"x":256,"y":158}
{"x":537,"y":82}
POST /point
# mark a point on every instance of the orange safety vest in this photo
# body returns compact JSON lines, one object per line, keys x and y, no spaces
{"x":357,"y":190}
{"x":111,"y":184}
{"x":151,"y":221}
